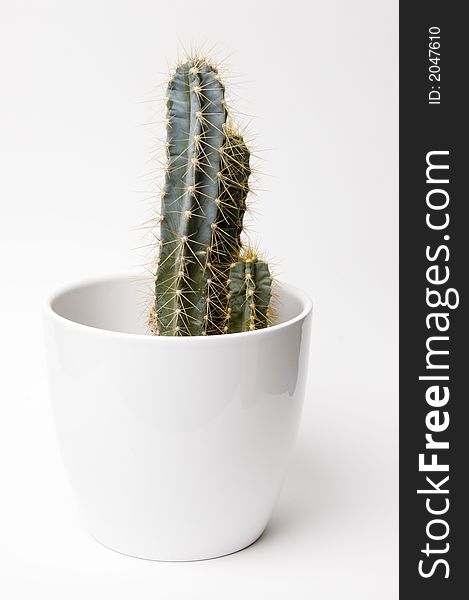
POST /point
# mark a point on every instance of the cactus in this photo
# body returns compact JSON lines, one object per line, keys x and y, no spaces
{"x":202,"y":206}
{"x":249,"y":294}
{"x":226,"y":242}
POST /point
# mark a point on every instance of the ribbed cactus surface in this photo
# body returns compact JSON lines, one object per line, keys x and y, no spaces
{"x":202,"y":206}
{"x":226,"y":240}
{"x":196,"y":118}
{"x":249,"y":287}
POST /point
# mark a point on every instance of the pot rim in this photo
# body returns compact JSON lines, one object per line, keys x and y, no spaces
{"x":305,"y":300}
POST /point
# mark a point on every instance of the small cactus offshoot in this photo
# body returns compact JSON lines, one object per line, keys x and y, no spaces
{"x":249,"y":292}
{"x":206,"y":283}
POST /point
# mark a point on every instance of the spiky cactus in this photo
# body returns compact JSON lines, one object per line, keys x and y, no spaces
{"x":249,"y":286}
{"x":202,"y":207}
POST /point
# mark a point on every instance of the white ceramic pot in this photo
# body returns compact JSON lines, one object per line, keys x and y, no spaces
{"x":176,"y":447}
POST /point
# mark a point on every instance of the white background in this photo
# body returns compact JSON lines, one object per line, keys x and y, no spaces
{"x":75,"y":172}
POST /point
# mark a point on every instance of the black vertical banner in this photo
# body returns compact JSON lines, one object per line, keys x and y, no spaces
{"x":434,"y":269}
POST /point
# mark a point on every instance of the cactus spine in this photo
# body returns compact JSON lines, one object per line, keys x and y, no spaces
{"x":202,"y":208}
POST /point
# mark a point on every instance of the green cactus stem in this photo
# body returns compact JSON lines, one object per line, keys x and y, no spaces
{"x":196,"y":118}
{"x":226,"y":240}
{"x":250,"y":290}
{"x":203,"y":204}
